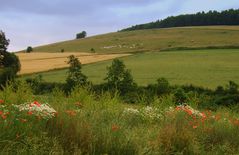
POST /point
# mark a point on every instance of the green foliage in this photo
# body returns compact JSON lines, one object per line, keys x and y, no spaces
{"x":75,"y":77}
{"x":81,"y":35}
{"x":9,"y":62}
{"x":92,"y":50}
{"x":180,"y":96}
{"x":232,"y":88}
{"x":29,"y":49}
{"x":163,"y":86}
{"x":119,"y":78}
{"x":227,"y":17}
{"x":102,"y":124}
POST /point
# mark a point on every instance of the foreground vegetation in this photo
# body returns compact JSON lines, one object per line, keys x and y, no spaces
{"x":151,"y":40}
{"x":206,"y":68}
{"x":86,"y":123}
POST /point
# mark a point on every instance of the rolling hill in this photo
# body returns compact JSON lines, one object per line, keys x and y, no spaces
{"x":152,"y":40}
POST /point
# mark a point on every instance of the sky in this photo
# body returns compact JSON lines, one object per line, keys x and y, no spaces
{"x":39,"y":22}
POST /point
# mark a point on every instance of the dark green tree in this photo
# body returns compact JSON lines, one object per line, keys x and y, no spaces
{"x":227,"y":17}
{"x":29,"y":49}
{"x":75,"y":76}
{"x":119,"y":78}
{"x":9,"y":62}
{"x":80,"y":35}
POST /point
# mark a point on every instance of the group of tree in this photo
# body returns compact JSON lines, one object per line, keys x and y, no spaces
{"x":118,"y":78}
{"x":9,"y":62}
{"x":81,"y":35}
{"x":227,"y":17}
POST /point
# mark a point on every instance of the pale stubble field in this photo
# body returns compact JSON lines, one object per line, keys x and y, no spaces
{"x":39,"y":62}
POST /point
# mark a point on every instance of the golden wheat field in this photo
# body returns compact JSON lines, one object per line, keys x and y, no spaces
{"x":39,"y":62}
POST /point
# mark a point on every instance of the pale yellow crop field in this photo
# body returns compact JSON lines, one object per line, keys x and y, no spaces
{"x":39,"y":62}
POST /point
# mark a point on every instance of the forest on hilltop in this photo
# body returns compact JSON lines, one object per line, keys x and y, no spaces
{"x":227,"y":17}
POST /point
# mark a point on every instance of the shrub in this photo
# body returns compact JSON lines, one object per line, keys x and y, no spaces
{"x":29,"y":49}
{"x":163,"y":86}
{"x":180,"y":96}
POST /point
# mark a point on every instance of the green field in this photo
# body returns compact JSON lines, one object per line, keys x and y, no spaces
{"x":208,"y":68}
{"x":151,"y":40}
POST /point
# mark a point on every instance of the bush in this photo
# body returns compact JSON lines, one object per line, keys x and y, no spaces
{"x":163,"y":86}
{"x":81,"y":35}
{"x":180,"y":96}
{"x":29,"y":49}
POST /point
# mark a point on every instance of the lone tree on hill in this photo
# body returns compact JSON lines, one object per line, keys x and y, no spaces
{"x":29,"y":49}
{"x":119,"y":78}
{"x":9,"y":62}
{"x":80,"y":35}
{"x":75,"y":76}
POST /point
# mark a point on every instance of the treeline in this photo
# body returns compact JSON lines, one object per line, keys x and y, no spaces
{"x":227,"y":17}
{"x":119,"y":80}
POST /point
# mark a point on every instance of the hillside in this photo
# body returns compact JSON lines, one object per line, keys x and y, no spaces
{"x":227,"y":17}
{"x":151,"y":40}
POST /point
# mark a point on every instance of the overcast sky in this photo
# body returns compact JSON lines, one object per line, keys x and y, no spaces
{"x":38,"y":22}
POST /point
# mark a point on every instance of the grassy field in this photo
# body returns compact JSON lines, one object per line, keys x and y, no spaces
{"x":208,"y":68}
{"x":38,"y":62}
{"x":151,"y":40}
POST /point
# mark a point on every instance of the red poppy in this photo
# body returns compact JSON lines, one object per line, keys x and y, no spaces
{"x":71,"y":112}
{"x":29,"y":112}
{"x":3,"y":116}
{"x":36,"y":103}
{"x":188,"y":111}
{"x":195,"y":126}
{"x":115,"y":127}
{"x":1,"y":101}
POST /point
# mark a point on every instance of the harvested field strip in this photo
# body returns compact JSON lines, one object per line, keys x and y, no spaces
{"x":38,"y":62}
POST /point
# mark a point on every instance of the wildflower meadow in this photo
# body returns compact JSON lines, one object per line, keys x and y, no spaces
{"x":85,"y":123}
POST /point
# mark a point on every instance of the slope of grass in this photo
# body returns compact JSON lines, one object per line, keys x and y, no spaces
{"x":208,"y":68}
{"x":151,"y":40}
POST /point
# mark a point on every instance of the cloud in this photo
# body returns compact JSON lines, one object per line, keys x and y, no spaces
{"x":37,"y":22}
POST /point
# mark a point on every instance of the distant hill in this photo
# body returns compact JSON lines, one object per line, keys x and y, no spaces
{"x":151,"y":40}
{"x":227,"y":17}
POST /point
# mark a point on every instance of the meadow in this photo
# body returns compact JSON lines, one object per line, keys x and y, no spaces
{"x":82,"y":123}
{"x":207,"y":68}
{"x":151,"y":40}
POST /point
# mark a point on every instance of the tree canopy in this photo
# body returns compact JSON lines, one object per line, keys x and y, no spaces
{"x":75,"y":76}
{"x":227,"y":17}
{"x":80,"y":35}
{"x":9,"y":62}
{"x":119,"y":78}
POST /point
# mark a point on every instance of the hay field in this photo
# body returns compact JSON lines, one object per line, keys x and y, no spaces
{"x":39,"y":62}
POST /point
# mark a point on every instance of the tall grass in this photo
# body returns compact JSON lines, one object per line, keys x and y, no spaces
{"x":89,"y":124}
